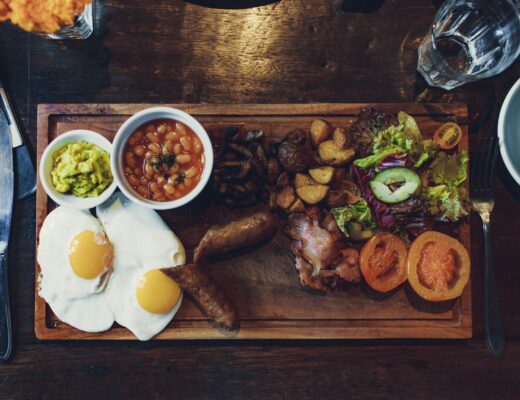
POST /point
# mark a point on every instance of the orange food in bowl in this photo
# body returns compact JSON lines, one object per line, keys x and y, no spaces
{"x":163,"y":160}
{"x":41,"y":16}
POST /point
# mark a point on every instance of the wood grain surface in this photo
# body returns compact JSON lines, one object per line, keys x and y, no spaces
{"x":169,"y":51}
{"x":263,"y":284}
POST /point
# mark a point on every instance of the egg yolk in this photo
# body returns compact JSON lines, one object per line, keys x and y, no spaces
{"x":90,"y":254}
{"x":157,"y":293}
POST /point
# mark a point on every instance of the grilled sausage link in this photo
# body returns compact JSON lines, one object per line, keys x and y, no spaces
{"x":212,"y":302}
{"x":235,"y":235}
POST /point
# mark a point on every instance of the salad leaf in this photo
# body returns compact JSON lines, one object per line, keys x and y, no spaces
{"x":367,"y":126}
{"x":382,"y":215}
{"x":375,"y":159}
{"x":429,"y":150}
{"x":410,"y":127}
{"x":449,"y":170}
{"x":412,"y":216}
{"x":358,"y":212}
{"x":402,"y":138}
{"x":446,"y":203}
{"x":395,"y":160}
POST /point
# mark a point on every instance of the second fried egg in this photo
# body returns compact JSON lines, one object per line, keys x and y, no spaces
{"x":141,"y":297}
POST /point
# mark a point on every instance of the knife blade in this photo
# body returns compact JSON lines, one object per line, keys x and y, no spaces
{"x":6,"y":209}
{"x":25,"y":178}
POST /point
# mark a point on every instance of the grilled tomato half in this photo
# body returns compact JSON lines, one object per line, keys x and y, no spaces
{"x":448,"y":135}
{"x":383,"y":262}
{"x":438,"y":266}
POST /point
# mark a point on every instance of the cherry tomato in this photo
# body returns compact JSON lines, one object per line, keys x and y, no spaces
{"x":383,"y":262}
{"x":448,"y":135}
{"x":438,"y":266}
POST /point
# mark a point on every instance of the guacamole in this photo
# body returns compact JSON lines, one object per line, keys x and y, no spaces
{"x":82,"y":169}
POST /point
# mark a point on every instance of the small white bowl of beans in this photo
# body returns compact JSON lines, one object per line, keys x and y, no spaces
{"x":162,"y":158}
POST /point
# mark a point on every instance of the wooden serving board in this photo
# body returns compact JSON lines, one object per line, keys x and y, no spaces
{"x":263,"y":283}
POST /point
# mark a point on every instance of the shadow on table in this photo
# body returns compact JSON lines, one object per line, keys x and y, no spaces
{"x":507,"y":180}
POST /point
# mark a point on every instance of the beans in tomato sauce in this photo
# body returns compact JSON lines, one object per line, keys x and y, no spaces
{"x":163,"y":160}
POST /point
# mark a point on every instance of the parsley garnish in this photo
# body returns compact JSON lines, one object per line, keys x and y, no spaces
{"x":169,"y":159}
{"x":166,"y":159}
{"x":181,"y":177}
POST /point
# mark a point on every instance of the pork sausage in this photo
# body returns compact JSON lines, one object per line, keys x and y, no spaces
{"x":235,"y":235}
{"x":212,"y":302}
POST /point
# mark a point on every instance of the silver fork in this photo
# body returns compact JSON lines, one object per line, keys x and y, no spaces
{"x":483,"y":165}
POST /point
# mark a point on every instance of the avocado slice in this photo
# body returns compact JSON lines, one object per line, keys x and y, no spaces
{"x":394,"y":185}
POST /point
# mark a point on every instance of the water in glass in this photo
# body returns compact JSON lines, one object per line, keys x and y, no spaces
{"x":470,"y":40}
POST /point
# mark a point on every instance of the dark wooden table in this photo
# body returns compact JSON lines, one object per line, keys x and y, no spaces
{"x":293,"y":51}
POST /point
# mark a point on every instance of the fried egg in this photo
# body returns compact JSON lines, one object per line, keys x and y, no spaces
{"x":140,"y":296}
{"x":75,"y":259}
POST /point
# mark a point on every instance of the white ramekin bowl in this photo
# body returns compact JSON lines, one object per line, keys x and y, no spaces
{"x":130,"y":126}
{"x":509,"y":131}
{"x":69,"y":200}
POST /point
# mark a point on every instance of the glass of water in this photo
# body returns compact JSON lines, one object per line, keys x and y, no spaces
{"x":470,"y":40}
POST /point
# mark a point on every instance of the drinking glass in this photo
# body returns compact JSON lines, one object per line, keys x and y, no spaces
{"x":82,"y":27}
{"x":469,"y":40}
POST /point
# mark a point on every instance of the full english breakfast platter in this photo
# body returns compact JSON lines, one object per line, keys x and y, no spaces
{"x":252,"y":221}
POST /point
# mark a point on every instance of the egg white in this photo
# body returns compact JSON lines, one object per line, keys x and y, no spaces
{"x":142,"y":242}
{"x":76,"y":301}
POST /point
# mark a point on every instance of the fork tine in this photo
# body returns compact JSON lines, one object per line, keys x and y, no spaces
{"x":474,"y":164}
{"x":486,"y":173}
{"x":494,"y":160}
{"x":489,"y":165}
{"x":481,"y":167}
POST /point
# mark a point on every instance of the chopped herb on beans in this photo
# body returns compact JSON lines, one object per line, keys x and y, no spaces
{"x":163,"y":160}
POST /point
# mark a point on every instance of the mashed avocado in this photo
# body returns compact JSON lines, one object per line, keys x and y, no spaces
{"x":82,"y":169}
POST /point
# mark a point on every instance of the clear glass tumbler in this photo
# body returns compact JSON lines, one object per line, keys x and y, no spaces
{"x":82,"y":27}
{"x":469,"y":40}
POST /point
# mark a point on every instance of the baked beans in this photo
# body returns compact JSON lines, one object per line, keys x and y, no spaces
{"x":163,"y":160}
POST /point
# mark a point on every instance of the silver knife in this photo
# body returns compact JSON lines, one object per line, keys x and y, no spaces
{"x":6,"y":209}
{"x":25,"y":178}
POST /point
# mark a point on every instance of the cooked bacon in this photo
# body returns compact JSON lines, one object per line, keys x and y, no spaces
{"x":318,"y":244}
{"x":305,"y":271}
{"x":348,"y":267}
{"x":322,"y":261}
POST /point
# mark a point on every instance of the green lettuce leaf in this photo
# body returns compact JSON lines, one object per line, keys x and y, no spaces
{"x":449,"y":170}
{"x":375,"y":159}
{"x":402,"y":138}
{"x":446,"y":203}
{"x":358,"y":212}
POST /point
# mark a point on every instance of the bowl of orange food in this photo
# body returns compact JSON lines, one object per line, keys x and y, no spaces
{"x":162,"y":158}
{"x":54,"y":19}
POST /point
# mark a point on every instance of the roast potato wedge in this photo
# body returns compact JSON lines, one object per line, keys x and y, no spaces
{"x":320,"y":131}
{"x":303,"y":180}
{"x":286,"y":197}
{"x":340,"y":138}
{"x":331,"y":154}
{"x":297,"y":206}
{"x":322,"y":175}
{"x":312,"y":194}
